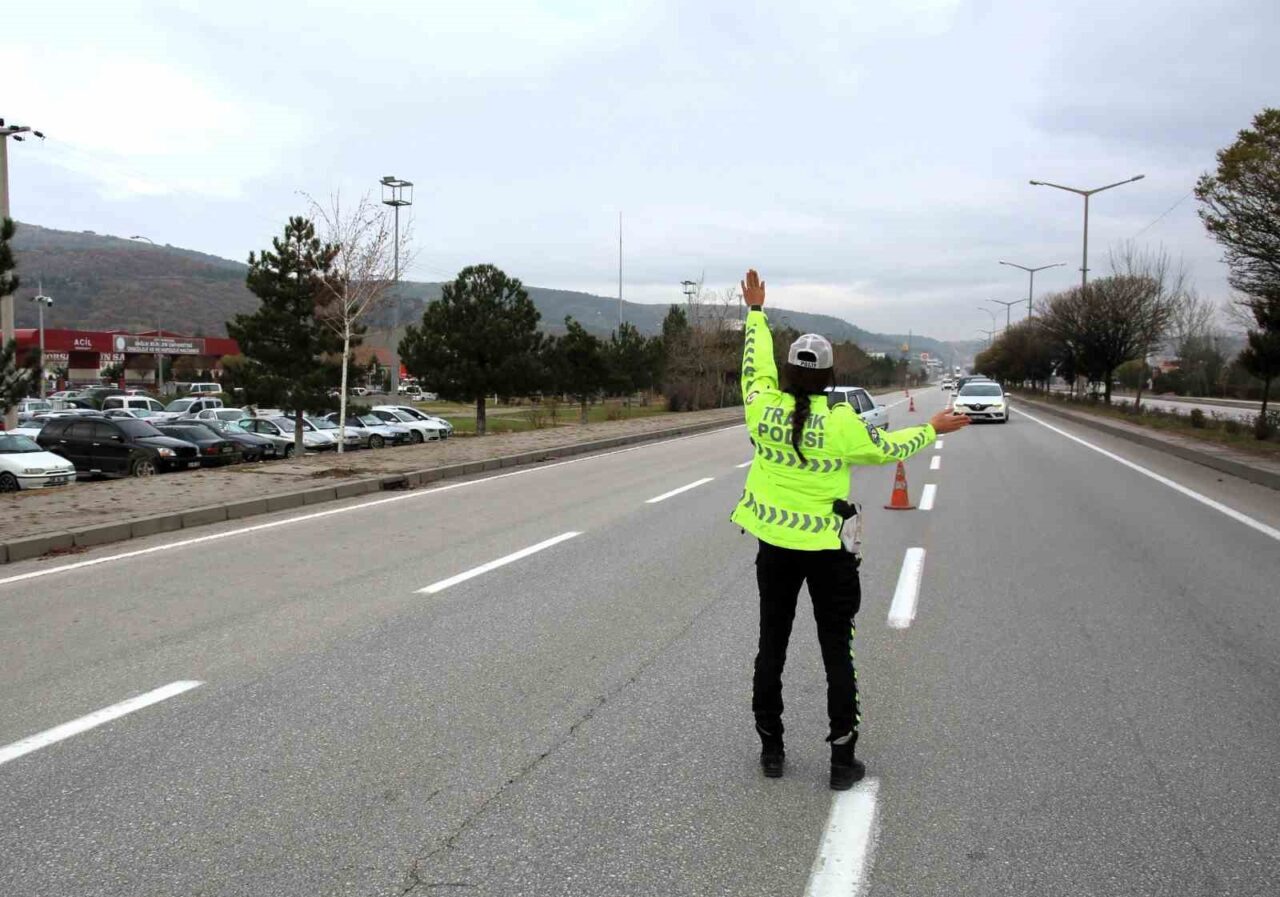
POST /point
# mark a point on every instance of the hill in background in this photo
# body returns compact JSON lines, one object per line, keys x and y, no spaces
{"x":104,"y":283}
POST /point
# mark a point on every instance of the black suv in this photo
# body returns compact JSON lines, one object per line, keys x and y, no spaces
{"x":117,"y":446}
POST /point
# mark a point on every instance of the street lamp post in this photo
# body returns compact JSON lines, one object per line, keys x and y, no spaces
{"x":1031,"y":282}
{"x":988,"y":334}
{"x":994,"y":328}
{"x":1084,"y":262}
{"x":41,"y":300}
{"x":1007,"y":307}
{"x":690,"y":287}
{"x":6,"y":297}
{"x":396,"y":193}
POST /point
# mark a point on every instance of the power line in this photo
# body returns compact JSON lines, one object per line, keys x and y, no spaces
{"x":1163,"y":214}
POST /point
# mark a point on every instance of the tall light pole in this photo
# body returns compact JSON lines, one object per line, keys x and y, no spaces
{"x":6,"y":298}
{"x":690,"y":287}
{"x":988,"y":334}
{"x":994,"y":328}
{"x":1084,"y":262}
{"x":396,"y":193}
{"x":41,"y":300}
{"x":1007,"y":307}
{"x":1031,"y":283}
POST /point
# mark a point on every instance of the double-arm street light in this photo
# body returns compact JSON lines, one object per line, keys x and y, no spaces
{"x":396,"y":193}
{"x":1007,"y":307}
{"x":1084,"y":262}
{"x":1031,"y":281}
{"x":988,"y":334}
{"x":42,"y":301}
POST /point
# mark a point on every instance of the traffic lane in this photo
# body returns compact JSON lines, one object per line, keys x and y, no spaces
{"x":74,"y":641}
{"x":1064,"y":718}
{"x":336,"y":772}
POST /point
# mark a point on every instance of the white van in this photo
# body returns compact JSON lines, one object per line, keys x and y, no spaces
{"x":131,"y":403}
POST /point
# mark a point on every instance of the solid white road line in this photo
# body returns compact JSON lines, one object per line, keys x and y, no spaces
{"x":903,"y":609}
{"x":317,"y":515}
{"x":664,"y":496}
{"x":494,"y":565}
{"x":1172,"y":484}
{"x":935,"y":463}
{"x":937,"y":445}
{"x":93,"y":720}
{"x":745,"y":464}
{"x":844,"y":857}
{"x":926,"y":497}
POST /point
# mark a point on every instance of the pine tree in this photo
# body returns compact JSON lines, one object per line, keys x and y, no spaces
{"x":290,"y":357}
{"x":578,"y":365}
{"x":479,"y":339}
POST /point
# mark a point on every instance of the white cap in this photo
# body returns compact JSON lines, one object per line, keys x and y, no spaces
{"x":811,"y":351}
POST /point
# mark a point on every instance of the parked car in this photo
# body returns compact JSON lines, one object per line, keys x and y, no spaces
{"x":99,"y":394}
{"x":29,"y":408}
{"x":253,"y":446}
{"x":25,"y":465}
{"x":215,"y":449}
{"x":227,"y":414}
{"x":66,"y":394}
{"x":189,"y":407}
{"x":203,"y":389}
{"x":131,"y":403}
{"x":329,"y":430}
{"x":982,"y":400}
{"x":374,"y":432}
{"x":116,"y":446}
{"x":861,"y":402}
{"x":435,"y":427}
{"x":281,"y":428}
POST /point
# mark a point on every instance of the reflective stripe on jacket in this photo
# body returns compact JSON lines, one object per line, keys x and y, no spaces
{"x":787,"y":500}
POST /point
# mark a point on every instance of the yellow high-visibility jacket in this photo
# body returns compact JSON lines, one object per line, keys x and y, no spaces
{"x":787,"y":501}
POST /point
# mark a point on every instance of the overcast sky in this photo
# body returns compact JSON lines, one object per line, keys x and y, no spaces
{"x":870,"y":158}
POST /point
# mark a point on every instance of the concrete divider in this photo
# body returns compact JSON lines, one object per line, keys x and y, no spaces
{"x":117,"y":531}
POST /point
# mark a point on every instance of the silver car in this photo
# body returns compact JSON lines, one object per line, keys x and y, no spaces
{"x":982,"y":400}
{"x":860,"y":401}
{"x":433,"y":427}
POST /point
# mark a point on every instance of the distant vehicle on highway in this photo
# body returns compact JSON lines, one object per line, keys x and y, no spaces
{"x":970,"y":378}
{"x":25,"y":465}
{"x":860,"y":401}
{"x":116,"y":446}
{"x":947,"y":384}
{"x":982,"y":400}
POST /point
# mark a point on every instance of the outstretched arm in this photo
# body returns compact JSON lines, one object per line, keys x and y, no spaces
{"x":864,"y":444}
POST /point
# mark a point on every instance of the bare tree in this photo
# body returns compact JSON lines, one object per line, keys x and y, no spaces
{"x":1159,"y":290}
{"x":361,"y":278}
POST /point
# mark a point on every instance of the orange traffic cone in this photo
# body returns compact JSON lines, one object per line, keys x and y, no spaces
{"x":900,"y":500}
{"x":912,"y":406}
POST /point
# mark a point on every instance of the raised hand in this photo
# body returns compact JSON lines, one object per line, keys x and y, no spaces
{"x":753,"y":289}
{"x":949,"y":422}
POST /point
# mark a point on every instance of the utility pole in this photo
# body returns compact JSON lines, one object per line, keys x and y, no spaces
{"x":619,"y":274}
{"x":1084,"y":262}
{"x":396,"y":193}
{"x":1031,"y":282}
{"x":689,"y":289}
{"x":6,"y":300}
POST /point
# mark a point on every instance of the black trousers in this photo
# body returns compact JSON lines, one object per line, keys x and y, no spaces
{"x":832,"y":577}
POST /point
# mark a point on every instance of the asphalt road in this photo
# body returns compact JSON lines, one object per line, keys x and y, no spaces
{"x":1084,"y":698}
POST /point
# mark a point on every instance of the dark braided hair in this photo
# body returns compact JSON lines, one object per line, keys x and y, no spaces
{"x":801,"y":384}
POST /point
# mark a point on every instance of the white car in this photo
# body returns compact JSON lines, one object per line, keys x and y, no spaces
{"x":188,"y":408}
{"x":228,"y":414}
{"x":948,"y":384}
{"x":29,"y":408}
{"x":423,"y":426}
{"x":24,"y":465}
{"x":132,"y":403}
{"x":860,"y":401}
{"x":282,"y":428}
{"x":982,"y":400}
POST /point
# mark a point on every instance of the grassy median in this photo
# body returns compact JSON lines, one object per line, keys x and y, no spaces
{"x":527,"y":416}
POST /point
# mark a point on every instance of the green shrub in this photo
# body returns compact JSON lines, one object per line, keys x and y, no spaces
{"x":1197,"y":419}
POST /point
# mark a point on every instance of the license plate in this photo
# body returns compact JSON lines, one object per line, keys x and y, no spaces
{"x":58,"y":481}
{"x":193,"y":464}
{"x":226,"y":449}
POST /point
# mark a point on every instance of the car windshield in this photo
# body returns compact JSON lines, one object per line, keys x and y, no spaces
{"x":981,"y":389}
{"x":179,"y":405}
{"x":190,"y":433}
{"x":39,"y":406}
{"x":401,"y":416}
{"x":370,"y":420}
{"x":322,"y":424}
{"x":13,"y":443}
{"x":137,"y":428}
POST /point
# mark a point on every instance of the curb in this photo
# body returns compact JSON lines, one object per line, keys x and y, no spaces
{"x":42,"y":544}
{"x":1239,"y":469}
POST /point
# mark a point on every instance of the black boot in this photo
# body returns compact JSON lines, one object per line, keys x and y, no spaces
{"x":845,"y":768}
{"x":772,"y":756}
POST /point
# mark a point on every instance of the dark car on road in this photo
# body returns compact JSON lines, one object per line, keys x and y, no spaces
{"x":116,"y":446}
{"x":215,"y":449}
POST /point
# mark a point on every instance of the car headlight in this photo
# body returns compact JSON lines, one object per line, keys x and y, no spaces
{"x":166,"y":452}
{"x":33,"y":471}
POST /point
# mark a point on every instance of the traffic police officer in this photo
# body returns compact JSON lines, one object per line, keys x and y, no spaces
{"x":794,"y":502}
